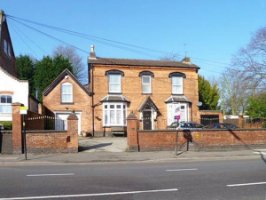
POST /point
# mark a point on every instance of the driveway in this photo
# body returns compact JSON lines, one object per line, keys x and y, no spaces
{"x":103,"y":144}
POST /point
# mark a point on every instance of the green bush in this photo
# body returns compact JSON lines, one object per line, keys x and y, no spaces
{"x":264,"y":125}
{"x":6,"y":124}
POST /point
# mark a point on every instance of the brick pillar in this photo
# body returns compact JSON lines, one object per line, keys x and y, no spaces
{"x":16,"y":128}
{"x":72,"y":133}
{"x":132,"y":133}
{"x":241,"y":121}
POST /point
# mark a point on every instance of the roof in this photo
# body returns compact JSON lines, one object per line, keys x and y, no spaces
{"x":177,"y":98}
{"x":59,"y":78}
{"x":115,"y":98}
{"x":139,"y":62}
{"x":148,"y":103}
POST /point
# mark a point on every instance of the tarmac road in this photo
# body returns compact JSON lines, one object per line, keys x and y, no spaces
{"x":187,"y":180}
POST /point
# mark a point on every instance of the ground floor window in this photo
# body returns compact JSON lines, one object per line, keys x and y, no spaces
{"x":177,"y":112}
{"x":114,"y":114}
{"x":5,"y":104}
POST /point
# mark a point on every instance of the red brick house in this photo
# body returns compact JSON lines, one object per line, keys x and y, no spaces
{"x":66,"y":95}
{"x":157,"y":92}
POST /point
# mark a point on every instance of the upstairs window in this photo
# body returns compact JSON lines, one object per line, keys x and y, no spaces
{"x":67,"y":93}
{"x":146,"y":81}
{"x":6,"y":104}
{"x":146,"y":84}
{"x":7,"y":48}
{"x":177,"y":82}
{"x":114,"y":81}
{"x":177,"y":85}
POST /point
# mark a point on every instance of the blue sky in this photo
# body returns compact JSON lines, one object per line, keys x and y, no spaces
{"x":208,"y":31}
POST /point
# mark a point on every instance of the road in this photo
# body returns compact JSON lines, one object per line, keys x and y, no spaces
{"x":214,"y":180}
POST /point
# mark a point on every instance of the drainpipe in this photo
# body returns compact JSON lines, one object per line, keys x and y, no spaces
{"x":91,"y":66}
{"x":92,"y":98}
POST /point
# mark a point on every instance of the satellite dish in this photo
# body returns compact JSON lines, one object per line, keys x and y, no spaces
{"x":199,"y":103}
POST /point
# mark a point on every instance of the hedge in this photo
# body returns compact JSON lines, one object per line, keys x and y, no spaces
{"x":6,"y":124}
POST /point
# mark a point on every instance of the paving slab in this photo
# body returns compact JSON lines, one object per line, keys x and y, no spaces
{"x":103,"y":144}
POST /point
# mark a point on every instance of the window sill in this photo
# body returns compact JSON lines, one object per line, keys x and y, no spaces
{"x":110,"y":126}
{"x":146,"y":93}
{"x":115,"y":93}
{"x":178,"y":94}
{"x":67,"y":103}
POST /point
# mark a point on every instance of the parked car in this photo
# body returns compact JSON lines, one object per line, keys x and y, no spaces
{"x":173,"y":125}
{"x":185,"y":125}
{"x":224,"y":126}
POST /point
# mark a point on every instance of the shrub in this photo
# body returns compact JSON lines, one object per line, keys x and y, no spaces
{"x":6,"y":124}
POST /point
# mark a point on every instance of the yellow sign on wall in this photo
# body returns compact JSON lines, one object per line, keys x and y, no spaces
{"x":23,"y":110}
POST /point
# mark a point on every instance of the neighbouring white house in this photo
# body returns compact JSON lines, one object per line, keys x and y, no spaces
{"x":11,"y":88}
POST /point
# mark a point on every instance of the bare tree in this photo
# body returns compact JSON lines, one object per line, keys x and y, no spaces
{"x":70,"y":53}
{"x":252,"y":59}
{"x":246,"y":76}
{"x":235,"y":89}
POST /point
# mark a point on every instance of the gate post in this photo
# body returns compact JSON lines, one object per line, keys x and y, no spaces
{"x":132,"y":132}
{"x":17,"y":128}
{"x":72,"y":133}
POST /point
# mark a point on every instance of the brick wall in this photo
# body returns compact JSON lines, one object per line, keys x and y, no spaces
{"x":6,"y":142}
{"x":47,"y":141}
{"x":44,"y":141}
{"x":221,"y":139}
{"x":54,"y":141}
{"x":201,"y":140}
{"x":206,"y":139}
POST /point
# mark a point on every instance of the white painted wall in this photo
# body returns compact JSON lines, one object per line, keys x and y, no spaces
{"x":20,"y":89}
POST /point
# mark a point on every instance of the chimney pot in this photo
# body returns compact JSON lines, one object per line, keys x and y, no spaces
{"x":92,"y":53}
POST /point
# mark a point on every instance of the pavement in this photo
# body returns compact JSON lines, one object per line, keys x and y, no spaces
{"x":106,"y":150}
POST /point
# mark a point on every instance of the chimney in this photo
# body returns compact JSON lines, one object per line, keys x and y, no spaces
{"x":2,"y":14}
{"x":186,"y":60}
{"x":92,"y":53}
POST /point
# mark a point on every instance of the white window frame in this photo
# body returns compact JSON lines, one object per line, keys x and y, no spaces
{"x":177,"y":85}
{"x":67,"y":93}
{"x":5,"y":47}
{"x":172,"y":111}
{"x":6,"y":108}
{"x":109,"y":108}
{"x":144,"y":85}
{"x":113,"y":85}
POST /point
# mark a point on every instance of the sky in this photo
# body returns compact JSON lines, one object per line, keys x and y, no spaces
{"x":210,"y":32}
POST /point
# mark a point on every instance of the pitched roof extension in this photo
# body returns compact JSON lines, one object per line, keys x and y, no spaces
{"x":61,"y":76}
